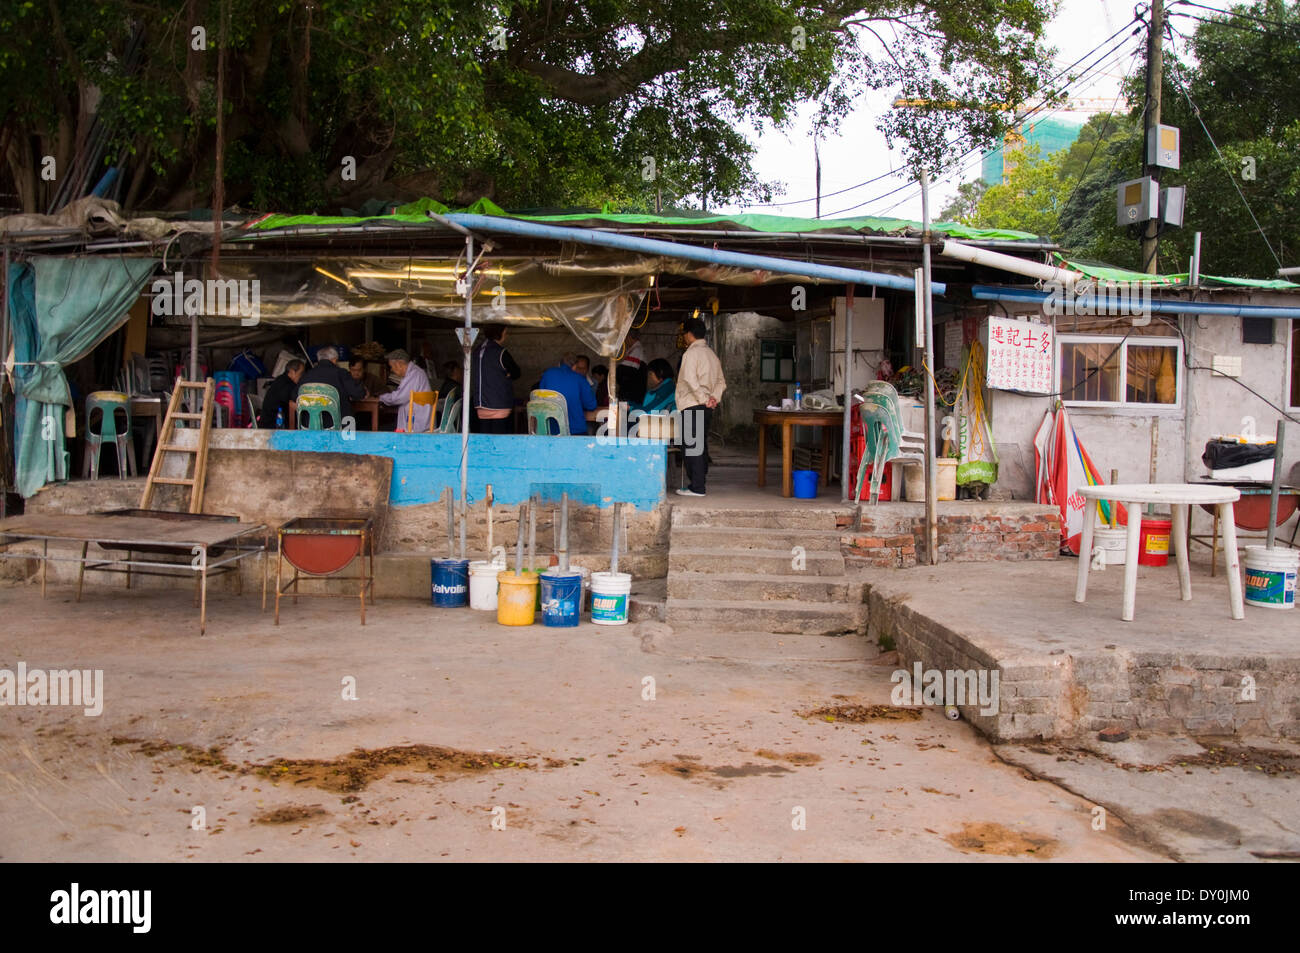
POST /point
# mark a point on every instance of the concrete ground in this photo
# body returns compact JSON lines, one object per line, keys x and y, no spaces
{"x":483,"y":742}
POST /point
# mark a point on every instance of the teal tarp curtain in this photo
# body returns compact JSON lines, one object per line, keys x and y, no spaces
{"x":60,"y":309}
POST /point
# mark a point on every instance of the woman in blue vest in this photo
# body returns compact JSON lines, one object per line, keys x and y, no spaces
{"x":493,"y":375}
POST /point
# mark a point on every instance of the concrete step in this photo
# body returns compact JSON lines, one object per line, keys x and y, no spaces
{"x":755,"y":537}
{"x":807,"y":519}
{"x":766,"y":561}
{"x":761,"y":588}
{"x":806,"y":618}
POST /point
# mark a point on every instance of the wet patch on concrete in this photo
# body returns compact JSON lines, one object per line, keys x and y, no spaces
{"x":858,"y":714}
{"x":345,"y":774}
{"x":292,"y":814}
{"x":791,"y":757}
{"x":1198,"y":825}
{"x":988,"y":838}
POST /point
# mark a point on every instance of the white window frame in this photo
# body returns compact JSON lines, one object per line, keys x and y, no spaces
{"x":1110,"y":340}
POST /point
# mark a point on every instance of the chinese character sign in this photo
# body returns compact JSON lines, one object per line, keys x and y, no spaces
{"x":1020,"y":356}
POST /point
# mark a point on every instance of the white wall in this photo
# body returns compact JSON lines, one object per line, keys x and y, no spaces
{"x":1122,"y":439}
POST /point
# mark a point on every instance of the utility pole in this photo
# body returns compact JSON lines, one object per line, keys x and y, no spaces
{"x":1155,"y":71}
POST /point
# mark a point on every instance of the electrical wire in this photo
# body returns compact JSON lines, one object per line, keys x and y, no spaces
{"x":1102,"y":134}
{"x":1235,"y":13}
{"x":1196,"y":111}
{"x":1028,"y":114}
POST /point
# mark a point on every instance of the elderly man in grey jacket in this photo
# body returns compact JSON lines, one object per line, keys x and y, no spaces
{"x":414,"y":380}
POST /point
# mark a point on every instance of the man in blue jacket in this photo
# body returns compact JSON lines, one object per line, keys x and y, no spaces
{"x":578,"y":394}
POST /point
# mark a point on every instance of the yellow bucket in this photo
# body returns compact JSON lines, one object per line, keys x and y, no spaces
{"x":517,"y":598}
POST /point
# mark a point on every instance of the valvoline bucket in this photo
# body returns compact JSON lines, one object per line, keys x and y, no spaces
{"x":561,"y":594}
{"x":516,"y":598}
{"x":1271,"y":577}
{"x":1153,"y":544}
{"x":450,"y":582}
{"x":805,"y":483}
{"x":610,"y":592}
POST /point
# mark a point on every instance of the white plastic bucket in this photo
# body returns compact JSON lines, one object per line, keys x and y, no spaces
{"x":610,"y":594}
{"x":1271,"y":577}
{"x":945,"y":472}
{"x":483,"y":584}
{"x":1112,"y":543}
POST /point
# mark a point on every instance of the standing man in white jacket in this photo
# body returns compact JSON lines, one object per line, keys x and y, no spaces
{"x":700,"y":386}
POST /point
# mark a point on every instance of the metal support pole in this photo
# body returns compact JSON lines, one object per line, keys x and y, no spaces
{"x":451,"y":523}
{"x":467,"y":342}
{"x":564,"y":532}
{"x":1277,"y":481}
{"x":848,"y":403}
{"x":618,"y":526}
{"x":931,"y":464}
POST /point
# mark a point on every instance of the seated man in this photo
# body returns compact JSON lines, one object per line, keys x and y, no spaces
{"x":577,"y":392}
{"x":280,"y":401}
{"x":413,"y":381}
{"x":373,"y":385}
{"x":600,"y":384}
{"x":327,"y":371}
{"x":660,"y":395}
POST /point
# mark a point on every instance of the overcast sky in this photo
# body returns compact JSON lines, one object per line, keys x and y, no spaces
{"x":859,"y":153}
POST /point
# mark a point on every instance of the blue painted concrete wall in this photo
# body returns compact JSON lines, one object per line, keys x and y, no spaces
{"x":517,"y":466}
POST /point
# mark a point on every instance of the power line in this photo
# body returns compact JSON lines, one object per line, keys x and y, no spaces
{"x":1235,"y":13}
{"x":1102,"y":133}
{"x":1028,"y":114}
{"x":1196,"y":111}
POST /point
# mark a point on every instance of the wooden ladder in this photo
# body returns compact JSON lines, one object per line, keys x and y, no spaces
{"x":167,"y":444}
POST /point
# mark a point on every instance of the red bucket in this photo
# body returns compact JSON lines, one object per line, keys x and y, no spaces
{"x":1153,"y":544}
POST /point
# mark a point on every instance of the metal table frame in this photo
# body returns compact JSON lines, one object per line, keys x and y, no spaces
{"x":142,"y":552}
{"x":364,"y":528}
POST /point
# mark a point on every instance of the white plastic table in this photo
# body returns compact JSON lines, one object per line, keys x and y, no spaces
{"x":1180,"y":497}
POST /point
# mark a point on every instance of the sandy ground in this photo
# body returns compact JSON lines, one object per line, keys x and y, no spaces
{"x":493,"y":743}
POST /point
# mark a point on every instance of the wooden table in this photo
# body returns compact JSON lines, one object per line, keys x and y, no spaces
{"x":831,"y":422}
{"x":152,"y":408}
{"x":367,"y":405}
{"x":202,"y":544}
{"x":1179,"y":497}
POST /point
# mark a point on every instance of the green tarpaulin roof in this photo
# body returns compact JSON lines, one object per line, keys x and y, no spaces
{"x":415,"y":213}
{"x":1109,"y":273}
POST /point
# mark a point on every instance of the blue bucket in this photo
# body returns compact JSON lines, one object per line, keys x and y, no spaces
{"x":561,"y":595}
{"x":805,"y":483}
{"x":450,"y":588}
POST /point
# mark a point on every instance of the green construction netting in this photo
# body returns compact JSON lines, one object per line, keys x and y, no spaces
{"x":415,"y":214}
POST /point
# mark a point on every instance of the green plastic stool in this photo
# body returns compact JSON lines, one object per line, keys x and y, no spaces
{"x":109,"y":403}
{"x":316,"y":400}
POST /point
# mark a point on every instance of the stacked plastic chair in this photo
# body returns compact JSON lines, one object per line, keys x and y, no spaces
{"x":109,"y":403}
{"x":882,"y":422}
{"x":230,"y":395}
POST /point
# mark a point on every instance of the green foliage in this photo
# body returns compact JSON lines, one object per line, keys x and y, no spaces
{"x":1243,"y":85}
{"x":963,"y":205}
{"x":532,"y":102}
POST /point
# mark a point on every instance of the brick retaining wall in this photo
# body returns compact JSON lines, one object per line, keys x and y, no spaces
{"x":891,"y":536}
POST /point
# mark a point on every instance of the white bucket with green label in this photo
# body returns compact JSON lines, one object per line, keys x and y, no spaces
{"x":610,"y":592}
{"x":1271,"y":577}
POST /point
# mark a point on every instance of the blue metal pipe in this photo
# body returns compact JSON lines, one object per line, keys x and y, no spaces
{"x":653,"y":246}
{"x":1158,"y":305}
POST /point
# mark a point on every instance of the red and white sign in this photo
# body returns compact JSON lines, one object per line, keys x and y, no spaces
{"x":1020,"y":356}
